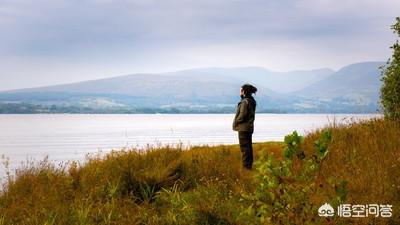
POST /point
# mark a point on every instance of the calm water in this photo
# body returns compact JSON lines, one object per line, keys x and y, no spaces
{"x":65,"y":137}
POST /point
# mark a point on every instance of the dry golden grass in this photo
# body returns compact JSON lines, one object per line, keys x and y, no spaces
{"x":367,"y":155}
{"x":119,"y":187}
{"x":201,"y":185}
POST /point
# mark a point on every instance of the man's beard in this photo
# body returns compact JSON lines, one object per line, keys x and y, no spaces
{"x":241,"y":96}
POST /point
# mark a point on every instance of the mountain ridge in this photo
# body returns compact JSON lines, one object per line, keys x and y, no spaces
{"x":216,"y":89}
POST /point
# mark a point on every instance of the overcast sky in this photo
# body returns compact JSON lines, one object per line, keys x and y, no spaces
{"x":46,"y":42}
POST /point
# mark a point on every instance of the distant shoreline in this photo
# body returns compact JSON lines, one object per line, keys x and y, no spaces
{"x":199,"y":113}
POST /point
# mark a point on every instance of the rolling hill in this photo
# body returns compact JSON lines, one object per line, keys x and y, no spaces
{"x":357,"y":83}
{"x":353,"y":88}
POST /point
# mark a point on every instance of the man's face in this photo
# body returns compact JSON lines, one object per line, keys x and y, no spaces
{"x":241,"y":92}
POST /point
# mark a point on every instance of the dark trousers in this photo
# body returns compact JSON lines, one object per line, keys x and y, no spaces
{"x":246,"y":147}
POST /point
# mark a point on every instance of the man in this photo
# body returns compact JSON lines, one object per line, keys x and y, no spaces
{"x":244,"y":123}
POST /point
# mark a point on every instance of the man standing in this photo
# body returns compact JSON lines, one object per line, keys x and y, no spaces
{"x":244,"y":123}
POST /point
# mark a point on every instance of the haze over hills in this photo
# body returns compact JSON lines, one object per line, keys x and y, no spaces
{"x":281,"y":82}
{"x":356,"y":80}
{"x":354,"y":88}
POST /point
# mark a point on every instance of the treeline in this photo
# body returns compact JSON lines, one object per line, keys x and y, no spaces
{"x":30,"y":108}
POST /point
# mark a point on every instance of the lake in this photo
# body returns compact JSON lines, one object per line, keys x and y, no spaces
{"x":64,"y":137}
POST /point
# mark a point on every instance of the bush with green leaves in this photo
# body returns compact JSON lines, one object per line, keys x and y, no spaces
{"x":390,"y":90}
{"x":286,"y":187}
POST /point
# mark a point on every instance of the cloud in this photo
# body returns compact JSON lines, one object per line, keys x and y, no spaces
{"x":111,"y":36}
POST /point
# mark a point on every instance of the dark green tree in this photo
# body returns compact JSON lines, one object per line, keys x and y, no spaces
{"x":390,"y":90}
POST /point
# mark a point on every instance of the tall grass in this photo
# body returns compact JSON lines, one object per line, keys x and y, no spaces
{"x":367,"y":155}
{"x":203,"y":184}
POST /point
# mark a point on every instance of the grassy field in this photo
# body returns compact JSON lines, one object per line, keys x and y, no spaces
{"x":358,"y":163}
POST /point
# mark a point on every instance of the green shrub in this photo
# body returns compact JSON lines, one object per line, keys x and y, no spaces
{"x":285,"y":187}
{"x":390,"y":90}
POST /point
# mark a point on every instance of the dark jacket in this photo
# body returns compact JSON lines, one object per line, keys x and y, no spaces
{"x":245,"y":115}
